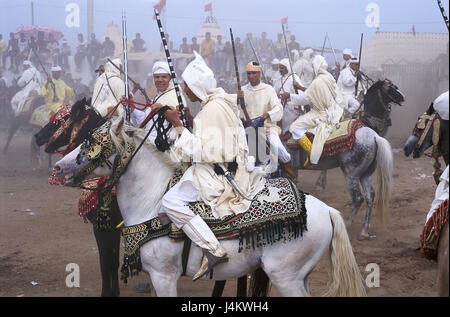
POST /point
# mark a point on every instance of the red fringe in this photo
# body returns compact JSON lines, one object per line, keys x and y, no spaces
{"x":429,"y":238}
{"x":340,"y":144}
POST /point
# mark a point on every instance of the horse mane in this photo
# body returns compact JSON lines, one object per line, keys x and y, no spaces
{"x":122,"y":133}
{"x":378,"y":84}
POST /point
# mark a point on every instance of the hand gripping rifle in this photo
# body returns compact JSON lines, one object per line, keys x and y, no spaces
{"x":241,"y":100}
{"x":148,"y":100}
{"x":55,"y":97}
{"x":172,"y":70}
{"x":125,"y":62}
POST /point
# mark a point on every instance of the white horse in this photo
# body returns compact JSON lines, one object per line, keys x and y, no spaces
{"x":288,"y":265}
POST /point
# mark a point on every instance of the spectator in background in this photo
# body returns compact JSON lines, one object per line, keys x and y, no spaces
{"x":169,"y":43}
{"x":2,"y":51}
{"x":138,"y":44}
{"x":81,"y":53}
{"x":94,"y":50}
{"x":184,"y":47}
{"x":64,"y":54}
{"x":219,"y":55}
{"x":53,"y":48}
{"x":293,"y":44}
{"x":13,"y":51}
{"x":207,"y":49}
{"x":41,"y":42}
{"x":195,"y":46}
{"x":108,"y":47}
{"x":280,"y":47}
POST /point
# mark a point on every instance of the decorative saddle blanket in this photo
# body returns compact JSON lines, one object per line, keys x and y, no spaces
{"x":340,"y":140}
{"x":276,"y":213}
{"x":429,"y":238}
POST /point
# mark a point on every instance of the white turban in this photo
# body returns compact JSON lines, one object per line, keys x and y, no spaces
{"x":320,"y":65}
{"x":56,"y":69}
{"x":347,"y":51}
{"x":285,"y":63}
{"x":161,"y":68}
{"x":27,"y":62}
{"x":354,"y":60}
{"x":199,"y":77}
{"x":275,"y":61}
{"x":307,"y":54}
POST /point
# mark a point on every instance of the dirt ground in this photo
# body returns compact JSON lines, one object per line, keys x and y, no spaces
{"x":41,"y":233}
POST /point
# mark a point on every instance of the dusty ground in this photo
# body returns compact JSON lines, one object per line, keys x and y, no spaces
{"x":41,"y":233}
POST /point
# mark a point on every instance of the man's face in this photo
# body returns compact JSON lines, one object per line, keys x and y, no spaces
{"x":161,"y":81}
{"x":354,"y":66}
{"x":56,"y":75}
{"x":192,"y":97}
{"x":283,"y":70}
{"x":347,"y":57}
{"x":275,"y":66}
{"x":254,"y":78}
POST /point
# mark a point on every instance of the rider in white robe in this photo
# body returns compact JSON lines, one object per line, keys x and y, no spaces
{"x":218,"y":137}
{"x":347,"y":83}
{"x":303,"y":67}
{"x":108,"y":90}
{"x":30,"y":82}
{"x":326,"y":101}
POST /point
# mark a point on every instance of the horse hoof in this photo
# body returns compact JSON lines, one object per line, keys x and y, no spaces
{"x":364,"y":235}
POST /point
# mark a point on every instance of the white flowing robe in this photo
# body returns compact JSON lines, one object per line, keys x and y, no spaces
{"x":347,"y":83}
{"x":30,"y":81}
{"x":218,"y":137}
{"x":108,"y":90}
{"x":291,"y":112}
{"x":440,"y":195}
{"x":326,"y":112}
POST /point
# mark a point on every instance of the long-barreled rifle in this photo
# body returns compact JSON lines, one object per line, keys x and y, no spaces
{"x":148,"y":100}
{"x":359,"y":65}
{"x":241,"y":100}
{"x":258,"y":60}
{"x":172,"y":70}
{"x":444,"y":16}
{"x":290,"y":62}
{"x":55,"y":97}
{"x":125,"y":62}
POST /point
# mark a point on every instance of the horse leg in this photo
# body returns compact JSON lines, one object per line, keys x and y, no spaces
{"x":218,"y":288}
{"x":369,"y":197}
{"x":104,"y":250}
{"x":357,"y":198}
{"x":321,"y":182}
{"x":442,"y":263}
{"x":35,"y":153}
{"x":14,"y":126}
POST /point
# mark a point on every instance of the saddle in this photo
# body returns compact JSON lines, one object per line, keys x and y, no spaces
{"x":276,"y":213}
{"x":340,"y":140}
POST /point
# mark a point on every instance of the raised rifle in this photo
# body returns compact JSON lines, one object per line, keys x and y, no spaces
{"x":290,"y":62}
{"x":172,"y":70}
{"x":241,"y":100}
{"x":324,"y":42}
{"x":55,"y":97}
{"x":131,"y":79}
{"x":125,"y":62}
{"x":359,"y":65}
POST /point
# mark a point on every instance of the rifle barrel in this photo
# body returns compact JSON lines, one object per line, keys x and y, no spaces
{"x":241,"y":100}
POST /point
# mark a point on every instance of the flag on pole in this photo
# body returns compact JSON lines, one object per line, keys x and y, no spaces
{"x":284,"y":20}
{"x":159,"y":6}
{"x":208,"y":7}
{"x":414,"y":30}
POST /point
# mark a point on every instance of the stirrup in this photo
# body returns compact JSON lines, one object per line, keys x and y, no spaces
{"x":208,"y":262}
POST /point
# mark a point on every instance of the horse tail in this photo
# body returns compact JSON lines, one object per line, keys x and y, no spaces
{"x":385,"y":168}
{"x":346,"y":279}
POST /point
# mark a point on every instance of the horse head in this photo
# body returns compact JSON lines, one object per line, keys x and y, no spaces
{"x":68,"y":126}
{"x":392,"y":93}
{"x":92,"y":158}
{"x":429,"y":130}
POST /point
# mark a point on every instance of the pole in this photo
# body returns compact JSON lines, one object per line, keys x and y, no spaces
{"x":324,"y":42}
{"x":172,"y":69}
{"x":290,"y":62}
{"x":444,"y":16}
{"x":90,"y":18}
{"x":241,"y":100}
{"x":32,"y":13}
{"x":359,"y":65}
{"x":125,"y":62}
{"x":331,"y":45}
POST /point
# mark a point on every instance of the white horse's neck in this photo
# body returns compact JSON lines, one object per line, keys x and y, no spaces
{"x":141,"y":187}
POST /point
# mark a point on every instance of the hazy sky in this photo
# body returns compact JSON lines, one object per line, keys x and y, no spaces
{"x":343,"y":20}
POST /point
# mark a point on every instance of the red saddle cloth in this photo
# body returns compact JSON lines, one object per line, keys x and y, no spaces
{"x":341,"y":139}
